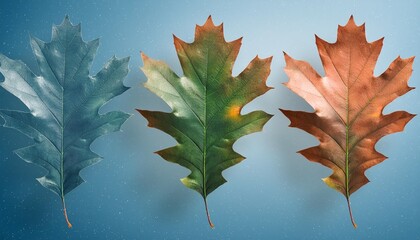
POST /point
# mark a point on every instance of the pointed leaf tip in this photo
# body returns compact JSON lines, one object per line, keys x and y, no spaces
{"x":351,"y":22}
{"x":209,"y":24}
{"x":66,"y":21}
{"x":209,"y":21}
{"x":269,"y":59}
{"x":126,"y":59}
{"x":144,"y":57}
{"x":178,"y":41}
{"x":287,"y":58}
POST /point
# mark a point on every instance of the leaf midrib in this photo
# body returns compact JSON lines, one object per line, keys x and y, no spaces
{"x":204,"y":152}
{"x":62,"y":126}
{"x":205,"y":127}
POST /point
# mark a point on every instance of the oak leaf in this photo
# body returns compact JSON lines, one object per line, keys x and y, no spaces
{"x":206,"y":104}
{"x":348,"y":103}
{"x":64,"y":101}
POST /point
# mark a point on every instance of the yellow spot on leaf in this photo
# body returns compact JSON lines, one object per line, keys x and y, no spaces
{"x":234,"y":112}
{"x":332,"y":184}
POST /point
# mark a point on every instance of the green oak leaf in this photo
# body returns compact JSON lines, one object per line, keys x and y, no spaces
{"x":63,"y":102}
{"x":206,"y":103}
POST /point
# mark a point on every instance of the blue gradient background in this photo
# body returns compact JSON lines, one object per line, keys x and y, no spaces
{"x":274,"y":193}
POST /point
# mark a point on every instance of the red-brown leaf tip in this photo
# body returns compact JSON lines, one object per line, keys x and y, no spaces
{"x":178,"y":42}
{"x":269,"y":59}
{"x":410,"y":59}
{"x":363,"y":26}
{"x":209,"y":22}
{"x":380,"y":41}
{"x":351,"y":21}
{"x":237,"y":41}
{"x":176,"y":39}
{"x":144,"y":57}
{"x":350,"y":24}
{"x":287,"y":58}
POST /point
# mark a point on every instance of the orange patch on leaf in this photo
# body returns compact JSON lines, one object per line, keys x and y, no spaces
{"x":234,"y":112}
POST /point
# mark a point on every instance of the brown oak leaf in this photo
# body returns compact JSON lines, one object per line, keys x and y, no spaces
{"x":348,"y":103}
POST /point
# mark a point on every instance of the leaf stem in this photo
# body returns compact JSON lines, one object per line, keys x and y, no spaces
{"x":208,"y":215}
{"x":65,"y":213}
{"x":351,"y":214}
